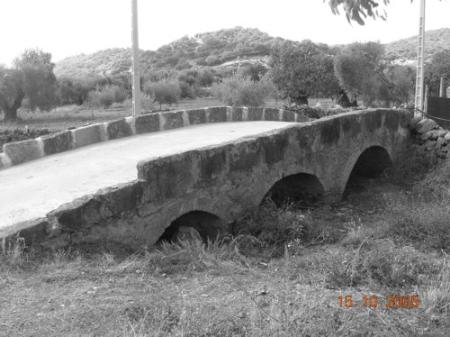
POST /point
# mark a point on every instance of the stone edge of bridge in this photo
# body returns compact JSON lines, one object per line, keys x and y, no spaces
{"x":16,"y":153}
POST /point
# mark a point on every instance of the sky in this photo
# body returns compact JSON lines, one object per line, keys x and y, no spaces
{"x":71,"y":27}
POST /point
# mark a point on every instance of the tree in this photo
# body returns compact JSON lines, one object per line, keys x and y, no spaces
{"x":164,"y":92}
{"x":359,"y":10}
{"x":31,"y":77}
{"x":75,"y":91}
{"x":301,"y":70}
{"x":242,"y":91}
{"x":439,"y":67}
{"x":359,"y":69}
{"x":11,"y":92}
{"x":254,"y":71}
{"x":402,"y":79}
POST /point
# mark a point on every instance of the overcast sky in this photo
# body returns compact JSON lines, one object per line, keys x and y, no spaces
{"x":71,"y":27}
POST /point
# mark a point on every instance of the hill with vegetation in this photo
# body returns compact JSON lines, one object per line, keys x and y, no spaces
{"x":202,"y":50}
{"x":406,"y":49}
{"x":223,"y":48}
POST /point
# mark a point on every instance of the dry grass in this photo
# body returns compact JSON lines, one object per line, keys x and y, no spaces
{"x":280,"y":275}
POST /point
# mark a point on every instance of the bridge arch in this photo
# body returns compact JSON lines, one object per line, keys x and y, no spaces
{"x":301,"y":187}
{"x":206,"y":224}
{"x":370,"y":163}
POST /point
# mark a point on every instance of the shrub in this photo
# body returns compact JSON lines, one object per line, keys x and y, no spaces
{"x":241,"y":91}
{"x":164,"y":92}
{"x":106,"y":96}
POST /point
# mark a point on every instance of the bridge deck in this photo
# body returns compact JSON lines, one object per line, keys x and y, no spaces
{"x":33,"y":189}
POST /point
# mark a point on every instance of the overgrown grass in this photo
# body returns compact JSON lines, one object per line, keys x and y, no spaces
{"x":279,"y":274}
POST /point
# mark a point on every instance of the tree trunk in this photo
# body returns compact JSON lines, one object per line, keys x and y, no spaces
{"x":10,"y":115}
{"x":10,"y":112}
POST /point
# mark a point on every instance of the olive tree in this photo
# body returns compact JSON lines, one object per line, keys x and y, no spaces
{"x":30,"y":77}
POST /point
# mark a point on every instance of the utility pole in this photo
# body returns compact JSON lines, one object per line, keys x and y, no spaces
{"x":442,"y":88}
{"x":418,"y":103}
{"x":136,"y":108}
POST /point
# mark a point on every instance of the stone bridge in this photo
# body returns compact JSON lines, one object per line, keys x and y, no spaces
{"x":206,"y":176}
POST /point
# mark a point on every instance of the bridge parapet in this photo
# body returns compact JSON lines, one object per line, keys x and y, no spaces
{"x":16,"y":153}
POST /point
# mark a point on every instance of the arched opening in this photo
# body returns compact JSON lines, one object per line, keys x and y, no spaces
{"x":370,"y":165}
{"x":195,"y":224}
{"x":302,"y":189}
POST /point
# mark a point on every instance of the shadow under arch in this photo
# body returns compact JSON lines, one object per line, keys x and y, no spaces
{"x":371,"y":163}
{"x":303,"y":189}
{"x":208,"y":225}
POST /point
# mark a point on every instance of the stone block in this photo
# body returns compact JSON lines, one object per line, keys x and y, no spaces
{"x":36,"y":232}
{"x":426,"y":125}
{"x":173,"y":120}
{"x":197,"y":116}
{"x":147,"y":123}
{"x":58,"y":142}
{"x":255,"y":114}
{"x":118,"y":129}
{"x":288,"y":116}
{"x":87,"y":135}
{"x":23,"y":151}
{"x":440,"y":142}
{"x":413,"y":122}
{"x":4,"y":161}
{"x":429,"y":145}
{"x":217,"y":114}
{"x":427,"y":135}
{"x":271,"y":114}
{"x":167,"y":177}
{"x":236,"y":114}
{"x":392,"y":120}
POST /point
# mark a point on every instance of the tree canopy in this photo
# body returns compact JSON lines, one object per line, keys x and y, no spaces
{"x":359,"y":70}
{"x":31,"y":77}
{"x":302,"y":70}
{"x":360,"y":10}
{"x":439,"y":67}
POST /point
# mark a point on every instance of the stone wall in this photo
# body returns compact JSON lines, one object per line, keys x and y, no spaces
{"x":429,"y":138}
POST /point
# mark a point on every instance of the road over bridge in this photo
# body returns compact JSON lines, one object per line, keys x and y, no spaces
{"x":193,"y":168}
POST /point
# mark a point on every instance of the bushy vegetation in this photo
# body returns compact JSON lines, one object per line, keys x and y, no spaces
{"x":164,"y":92}
{"x":106,"y":96}
{"x":361,"y":72}
{"x":242,"y":91}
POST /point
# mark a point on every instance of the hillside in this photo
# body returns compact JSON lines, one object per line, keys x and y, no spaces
{"x":206,"y":49}
{"x":406,"y":49}
{"x":223,"y":48}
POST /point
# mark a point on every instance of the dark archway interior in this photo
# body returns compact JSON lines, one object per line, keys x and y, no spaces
{"x":370,"y":164}
{"x":208,"y":225}
{"x":302,"y":189}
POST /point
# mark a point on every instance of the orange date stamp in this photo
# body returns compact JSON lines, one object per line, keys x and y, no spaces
{"x":374,"y":301}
